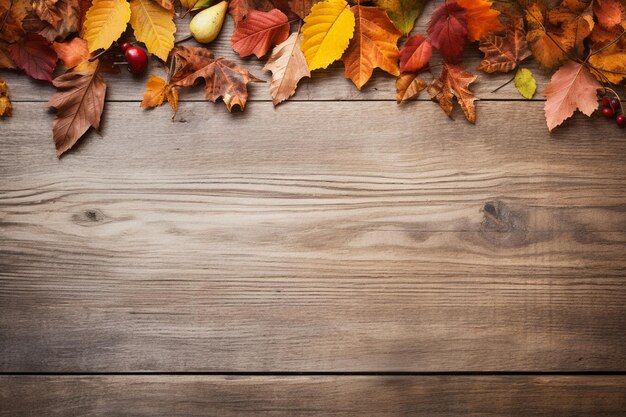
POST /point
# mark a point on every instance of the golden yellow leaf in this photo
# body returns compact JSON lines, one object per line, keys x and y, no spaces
{"x":327,"y":31}
{"x":157,"y":91}
{"x":611,"y":66}
{"x":105,"y":21}
{"x":154,"y":26}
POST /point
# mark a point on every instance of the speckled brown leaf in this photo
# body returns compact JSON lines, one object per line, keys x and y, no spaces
{"x":222,"y":78}
{"x":409,"y":86}
{"x":503,"y":53}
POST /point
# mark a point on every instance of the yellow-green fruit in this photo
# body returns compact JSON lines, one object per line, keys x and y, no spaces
{"x":206,"y":25}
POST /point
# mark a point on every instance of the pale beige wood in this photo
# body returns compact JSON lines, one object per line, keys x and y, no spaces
{"x":370,"y":238}
{"x":382,"y":396}
{"x":329,"y":84}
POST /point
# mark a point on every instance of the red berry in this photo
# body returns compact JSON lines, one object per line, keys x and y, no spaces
{"x":606,"y":102}
{"x":621,"y":120}
{"x":607,"y":112}
{"x":136,"y":57}
{"x":615,"y":104}
{"x":127,"y":45}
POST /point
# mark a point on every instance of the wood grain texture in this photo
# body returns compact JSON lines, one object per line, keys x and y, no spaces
{"x":427,"y":396}
{"x":329,"y":84}
{"x":372,"y":238}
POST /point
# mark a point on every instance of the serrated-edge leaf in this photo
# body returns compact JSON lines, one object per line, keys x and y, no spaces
{"x":105,"y":22}
{"x":154,"y":26}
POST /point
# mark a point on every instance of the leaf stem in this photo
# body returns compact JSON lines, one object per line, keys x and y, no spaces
{"x":504,"y":85}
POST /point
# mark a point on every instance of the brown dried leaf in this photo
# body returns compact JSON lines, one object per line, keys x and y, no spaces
{"x":288,"y":67}
{"x":5,"y":103}
{"x":409,"y":86}
{"x":454,"y":82}
{"x":157,"y":91}
{"x":503,"y":53}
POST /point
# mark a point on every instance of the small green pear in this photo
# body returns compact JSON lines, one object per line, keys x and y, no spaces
{"x":206,"y":25}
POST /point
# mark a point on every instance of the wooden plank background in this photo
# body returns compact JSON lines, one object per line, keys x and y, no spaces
{"x":338,"y":255}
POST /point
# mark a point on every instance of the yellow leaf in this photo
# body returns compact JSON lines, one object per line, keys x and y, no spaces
{"x":154,"y":26}
{"x":611,"y":66}
{"x":157,"y":91}
{"x":105,"y":21}
{"x":327,"y":31}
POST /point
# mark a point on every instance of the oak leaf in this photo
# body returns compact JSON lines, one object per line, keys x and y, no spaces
{"x":504,"y":53}
{"x":35,"y":56}
{"x":409,"y":86}
{"x":260,"y":31}
{"x":288,"y":67}
{"x":154,"y":26}
{"x":222,"y":78}
{"x":158,"y":91}
{"x":571,"y":87}
{"x":327,"y":31}
{"x":403,"y":13}
{"x":6,"y":108}
{"x":79,"y":102}
{"x":374,"y":45}
{"x":447,"y":30}
{"x":75,"y":55}
{"x":105,"y":21}
{"x":454,"y":82}
{"x":415,"y":53}
{"x":481,"y":18}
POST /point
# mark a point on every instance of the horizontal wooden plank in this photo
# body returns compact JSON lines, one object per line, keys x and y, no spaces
{"x":369,"y":238}
{"x":329,"y":84}
{"x":428,"y":396}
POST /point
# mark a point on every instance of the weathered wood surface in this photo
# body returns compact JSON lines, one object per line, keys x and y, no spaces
{"x":431,"y":396}
{"x":329,"y":84}
{"x":370,"y":238}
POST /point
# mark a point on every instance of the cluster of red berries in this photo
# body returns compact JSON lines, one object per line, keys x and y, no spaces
{"x":612,"y":108}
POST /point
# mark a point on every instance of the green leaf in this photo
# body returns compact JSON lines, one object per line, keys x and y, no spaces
{"x":403,"y":12}
{"x":525,"y":83}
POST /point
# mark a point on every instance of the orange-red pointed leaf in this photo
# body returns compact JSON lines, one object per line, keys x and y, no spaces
{"x":415,"y":53}
{"x":260,"y":31}
{"x":481,"y":18}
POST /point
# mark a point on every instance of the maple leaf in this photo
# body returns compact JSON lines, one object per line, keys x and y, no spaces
{"x":34,"y":56}
{"x":105,"y":21}
{"x":610,"y":13}
{"x":327,"y":31}
{"x":259,"y":31}
{"x":504,"y":53}
{"x":415,"y":53}
{"x":481,"y":18}
{"x":301,"y":7}
{"x":154,"y":26}
{"x":223,"y":78}
{"x":158,"y":91}
{"x":403,"y":13}
{"x":374,"y":45}
{"x":288,"y":67}
{"x":454,"y":81}
{"x":571,"y":87}
{"x":79,"y":102}
{"x":5,"y":56}
{"x":75,"y":55}
{"x":409,"y":86}
{"x":6,"y":108}
{"x":447,"y":30}
{"x":12,"y":14}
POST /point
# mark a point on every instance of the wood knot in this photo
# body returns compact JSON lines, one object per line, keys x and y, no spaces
{"x":503,"y":225}
{"x":89,"y":217}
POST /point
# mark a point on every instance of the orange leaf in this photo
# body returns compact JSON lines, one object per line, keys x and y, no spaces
{"x":5,"y":103}
{"x":454,"y":82}
{"x":374,"y":45}
{"x":75,"y":55}
{"x":503,"y":53}
{"x":157,"y":91}
{"x":610,"y":13}
{"x":481,"y":18}
{"x":259,"y":31}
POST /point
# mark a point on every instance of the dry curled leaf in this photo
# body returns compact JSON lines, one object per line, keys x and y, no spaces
{"x":79,"y":102}
{"x":222,"y":78}
{"x":158,"y":91}
{"x":409,"y":86}
{"x":571,"y":87}
{"x":454,"y":82}
{"x":503,"y":53}
{"x":5,"y":103}
{"x":288,"y":67}
{"x":374,"y":45}
{"x":259,"y":32}
{"x":12,"y":13}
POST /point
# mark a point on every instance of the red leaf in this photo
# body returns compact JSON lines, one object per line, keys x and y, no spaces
{"x":259,"y":31}
{"x":35,"y":56}
{"x":415,"y":53}
{"x":447,"y":30}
